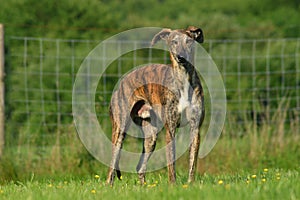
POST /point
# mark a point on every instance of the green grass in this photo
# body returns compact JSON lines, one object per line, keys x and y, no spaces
{"x":266,"y":184}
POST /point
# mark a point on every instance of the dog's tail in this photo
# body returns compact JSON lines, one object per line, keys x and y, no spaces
{"x":119,"y":174}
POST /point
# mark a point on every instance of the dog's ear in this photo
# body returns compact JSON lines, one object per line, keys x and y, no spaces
{"x":195,"y":33}
{"x":162,"y":35}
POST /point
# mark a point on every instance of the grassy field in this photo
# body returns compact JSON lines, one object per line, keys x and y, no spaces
{"x":262,"y":184}
{"x":262,"y":164}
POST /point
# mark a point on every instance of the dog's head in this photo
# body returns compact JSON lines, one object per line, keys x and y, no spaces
{"x":180,"y":41}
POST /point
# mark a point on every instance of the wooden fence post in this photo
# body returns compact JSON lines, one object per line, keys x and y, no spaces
{"x":2,"y":95}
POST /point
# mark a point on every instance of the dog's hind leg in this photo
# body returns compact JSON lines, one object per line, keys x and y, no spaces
{"x":150,"y":132}
{"x":117,"y":141}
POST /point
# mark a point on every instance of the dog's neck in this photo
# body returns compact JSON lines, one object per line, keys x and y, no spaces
{"x":184,"y":71}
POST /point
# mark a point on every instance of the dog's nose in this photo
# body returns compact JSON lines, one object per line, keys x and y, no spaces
{"x":182,"y":57}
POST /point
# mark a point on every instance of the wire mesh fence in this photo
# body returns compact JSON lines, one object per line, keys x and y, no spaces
{"x":261,"y":77}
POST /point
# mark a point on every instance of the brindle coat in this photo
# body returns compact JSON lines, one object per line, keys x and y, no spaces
{"x":171,"y":94}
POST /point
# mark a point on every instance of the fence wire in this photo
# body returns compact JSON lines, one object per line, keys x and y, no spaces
{"x":261,"y":76}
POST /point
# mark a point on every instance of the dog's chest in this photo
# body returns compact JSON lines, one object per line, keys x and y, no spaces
{"x":184,"y":101}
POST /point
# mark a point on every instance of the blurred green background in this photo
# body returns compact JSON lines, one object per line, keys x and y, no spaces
{"x":254,"y":43}
{"x":96,"y":19}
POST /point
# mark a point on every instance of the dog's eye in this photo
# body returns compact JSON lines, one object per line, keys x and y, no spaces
{"x":174,"y":42}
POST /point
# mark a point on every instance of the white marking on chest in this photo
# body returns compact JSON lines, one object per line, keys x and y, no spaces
{"x":184,"y":96}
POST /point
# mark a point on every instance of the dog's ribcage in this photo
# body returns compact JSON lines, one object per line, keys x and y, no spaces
{"x":154,"y":84}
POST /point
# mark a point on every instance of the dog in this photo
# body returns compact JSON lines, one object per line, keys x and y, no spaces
{"x":171,"y":94}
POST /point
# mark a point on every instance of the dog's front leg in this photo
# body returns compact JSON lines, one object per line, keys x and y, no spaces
{"x":194,"y":149}
{"x":170,"y":153}
{"x":195,"y":123}
{"x":172,"y":117}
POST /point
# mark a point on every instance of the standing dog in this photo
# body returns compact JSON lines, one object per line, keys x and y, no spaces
{"x":171,"y":94}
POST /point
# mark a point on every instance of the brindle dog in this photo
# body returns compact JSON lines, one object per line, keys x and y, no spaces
{"x":171,"y":94}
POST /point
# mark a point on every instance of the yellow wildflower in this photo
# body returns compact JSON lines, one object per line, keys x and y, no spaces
{"x":185,"y":186}
{"x":220,"y":182}
{"x":152,"y":185}
{"x":97,"y":176}
{"x":93,"y":191}
{"x":253,"y":176}
{"x":266,"y":169}
{"x":263,"y":180}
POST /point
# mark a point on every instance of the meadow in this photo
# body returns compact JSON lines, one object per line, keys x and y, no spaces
{"x":259,"y":184}
{"x":256,"y":166}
